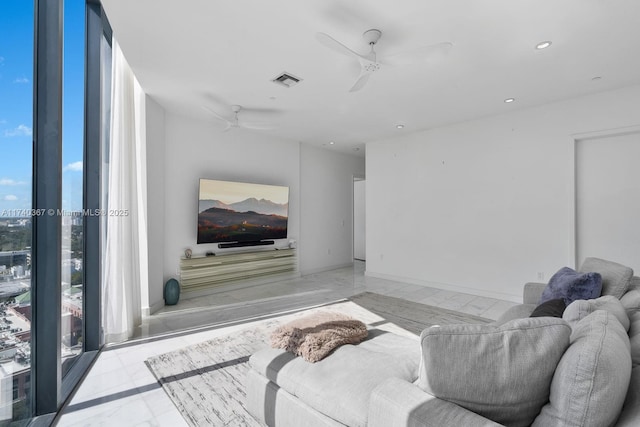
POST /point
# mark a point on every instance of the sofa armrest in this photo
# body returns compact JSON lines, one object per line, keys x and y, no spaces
{"x":396,"y":403}
{"x":532,"y":292}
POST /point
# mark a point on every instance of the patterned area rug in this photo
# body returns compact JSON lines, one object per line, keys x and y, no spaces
{"x":206,"y":381}
{"x":412,"y":316}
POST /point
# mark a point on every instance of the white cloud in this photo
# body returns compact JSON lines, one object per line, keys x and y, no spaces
{"x":10,"y":198}
{"x":75,"y":167}
{"x":21,"y":80}
{"x":21,"y":130}
{"x":9,"y":181}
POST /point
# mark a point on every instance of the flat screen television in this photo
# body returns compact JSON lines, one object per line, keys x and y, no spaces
{"x":241,"y":212}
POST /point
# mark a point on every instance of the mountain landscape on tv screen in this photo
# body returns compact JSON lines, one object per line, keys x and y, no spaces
{"x":262,"y":206}
{"x":248,"y":220}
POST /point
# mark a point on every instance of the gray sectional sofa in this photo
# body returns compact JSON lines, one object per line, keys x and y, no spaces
{"x":579,"y":370}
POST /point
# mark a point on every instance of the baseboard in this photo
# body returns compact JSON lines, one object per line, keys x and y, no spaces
{"x":148,"y":311}
{"x":448,"y":287}
{"x":327,"y":268}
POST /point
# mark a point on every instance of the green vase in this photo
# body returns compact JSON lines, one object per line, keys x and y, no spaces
{"x":171,"y":292}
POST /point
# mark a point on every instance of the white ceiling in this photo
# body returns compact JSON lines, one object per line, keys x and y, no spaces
{"x":193,"y":53}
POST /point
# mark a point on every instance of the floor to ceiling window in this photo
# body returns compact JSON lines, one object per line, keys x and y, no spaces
{"x":53,"y":104}
{"x":16,"y":113}
{"x":72,"y":183}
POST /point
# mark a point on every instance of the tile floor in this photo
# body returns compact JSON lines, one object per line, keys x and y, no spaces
{"x":119,"y":389}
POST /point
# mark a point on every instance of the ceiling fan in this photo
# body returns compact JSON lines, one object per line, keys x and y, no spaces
{"x":234,"y":122}
{"x":370,"y":63}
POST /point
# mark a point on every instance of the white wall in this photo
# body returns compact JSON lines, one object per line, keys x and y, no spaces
{"x":152,"y":297}
{"x":326,"y":238}
{"x":197,"y":149}
{"x":483,"y":206}
{"x":320,"y":185}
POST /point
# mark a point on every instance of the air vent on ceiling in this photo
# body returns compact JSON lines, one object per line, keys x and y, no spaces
{"x":286,"y":79}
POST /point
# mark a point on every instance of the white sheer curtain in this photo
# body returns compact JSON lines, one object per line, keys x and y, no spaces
{"x":125,"y":257}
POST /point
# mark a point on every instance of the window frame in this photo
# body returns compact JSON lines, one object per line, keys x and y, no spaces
{"x":49,"y":389}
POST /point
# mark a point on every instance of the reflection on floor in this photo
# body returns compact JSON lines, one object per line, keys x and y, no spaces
{"x":120,"y":390}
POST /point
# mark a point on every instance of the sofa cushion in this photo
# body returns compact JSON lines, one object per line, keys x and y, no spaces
{"x":500,"y":372}
{"x":631,"y":302}
{"x":340,"y":385}
{"x":634,"y":338}
{"x":397,"y":403}
{"x":517,"y":311}
{"x":591,"y":380}
{"x":532,"y":292}
{"x":551,"y":308}
{"x":580,"y":309}
{"x":570,"y":285}
{"x":615,"y":277}
{"x":631,"y":410}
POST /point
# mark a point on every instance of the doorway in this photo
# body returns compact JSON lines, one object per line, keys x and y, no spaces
{"x":608,"y":198}
{"x":359,"y":219}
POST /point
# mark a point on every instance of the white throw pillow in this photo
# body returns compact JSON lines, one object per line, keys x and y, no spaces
{"x":500,"y":372}
{"x":591,"y":380}
{"x":580,"y":309}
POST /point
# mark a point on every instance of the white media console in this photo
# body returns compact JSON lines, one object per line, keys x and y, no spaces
{"x":206,"y":272}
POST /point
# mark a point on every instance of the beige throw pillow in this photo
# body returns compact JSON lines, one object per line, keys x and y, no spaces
{"x":616,"y":278}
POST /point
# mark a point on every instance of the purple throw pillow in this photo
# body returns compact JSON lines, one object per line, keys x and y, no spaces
{"x":570,"y":285}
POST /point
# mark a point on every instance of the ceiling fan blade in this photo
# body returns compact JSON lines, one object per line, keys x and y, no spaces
{"x":262,"y":112}
{"x":216,"y":115}
{"x":426,"y":54}
{"x":362,"y":80}
{"x":334,"y":44}
{"x":257,"y":126}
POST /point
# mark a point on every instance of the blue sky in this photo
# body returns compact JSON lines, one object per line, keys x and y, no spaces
{"x":16,"y":103}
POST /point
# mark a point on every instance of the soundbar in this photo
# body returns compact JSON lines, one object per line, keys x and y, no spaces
{"x":243,"y":244}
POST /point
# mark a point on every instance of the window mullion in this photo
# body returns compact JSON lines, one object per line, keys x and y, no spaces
{"x":47,"y":202}
{"x":91,"y":185}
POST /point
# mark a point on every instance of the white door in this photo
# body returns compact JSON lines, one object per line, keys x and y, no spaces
{"x":608,"y":199}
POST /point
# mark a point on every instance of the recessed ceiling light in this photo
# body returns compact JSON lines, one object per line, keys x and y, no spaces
{"x":508,"y":100}
{"x":356,"y":149}
{"x":543,"y":45}
{"x":399,"y":126}
{"x":331,"y":143}
{"x":596,"y":78}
